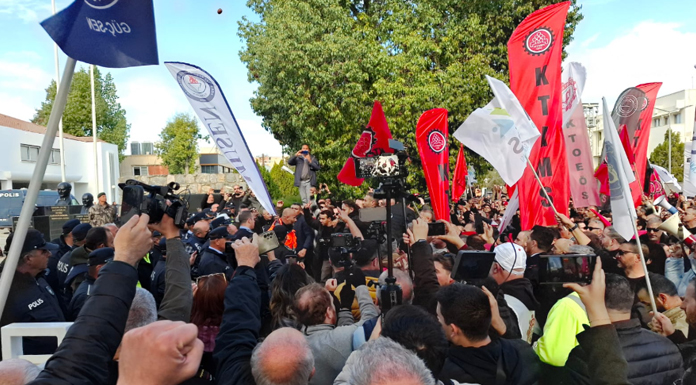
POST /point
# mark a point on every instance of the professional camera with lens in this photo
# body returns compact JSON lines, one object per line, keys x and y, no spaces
{"x":344,"y":240}
{"x":155,"y":201}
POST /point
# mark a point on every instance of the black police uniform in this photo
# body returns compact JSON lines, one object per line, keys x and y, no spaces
{"x":79,"y":298}
{"x":63,"y":268}
{"x":157,"y":282}
{"x":213,"y":262}
{"x":32,"y":300}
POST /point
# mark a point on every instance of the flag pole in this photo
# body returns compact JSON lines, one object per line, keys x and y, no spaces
{"x":542,"y":186}
{"x":94,"y":127}
{"x":20,"y":232}
{"x":60,"y":123}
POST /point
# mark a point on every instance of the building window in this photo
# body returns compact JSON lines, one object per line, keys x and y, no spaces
{"x":140,"y":170}
{"x":209,"y":169}
{"x":677,"y":119}
{"x":55,"y":156}
{"x":29,"y":153}
{"x":665,"y":121}
{"x":656,"y":122}
{"x":135,"y":148}
{"x":146,"y":148}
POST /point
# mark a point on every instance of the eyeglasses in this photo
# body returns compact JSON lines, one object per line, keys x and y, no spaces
{"x":205,"y":277}
{"x":648,"y":229}
{"x":620,"y":253}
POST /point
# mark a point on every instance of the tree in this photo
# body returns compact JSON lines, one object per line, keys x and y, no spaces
{"x":320,"y":64}
{"x":660,"y":155}
{"x":112,"y":125}
{"x":178,"y":145}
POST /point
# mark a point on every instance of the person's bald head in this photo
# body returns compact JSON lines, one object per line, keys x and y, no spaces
{"x":16,"y":371}
{"x":289,"y":216}
{"x":284,"y":357}
{"x":201,"y":228}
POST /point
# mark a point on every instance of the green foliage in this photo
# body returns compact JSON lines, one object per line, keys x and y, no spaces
{"x":320,"y":64}
{"x":280,"y":183}
{"x":660,"y":155}
{"x":112,"y":126}
{"x":178,"y":145}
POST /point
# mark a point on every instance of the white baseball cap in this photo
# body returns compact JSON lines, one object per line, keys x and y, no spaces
{"x":511,"y":256}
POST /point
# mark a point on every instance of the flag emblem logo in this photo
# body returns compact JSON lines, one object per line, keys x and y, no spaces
{"x":101,"y":4}
{"x":538,"y":41}
{"x":195,"y":86}
{"x":437,"y":142}
{"x":629,"y":104}
{"x":569,"y":94}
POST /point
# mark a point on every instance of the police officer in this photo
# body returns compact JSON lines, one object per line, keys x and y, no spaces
{"x":79,"y":237}
{"x":96,"y":260}
{"x":213,"y":258}
{"x":31,"y":298}
{"x":157,"y":282}
{"x":97,"y":238}
{"x":65,"y":241}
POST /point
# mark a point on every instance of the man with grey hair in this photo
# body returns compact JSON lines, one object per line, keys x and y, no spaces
{"x":403,"y":280}
{"x":112,"y":228}
{"x":143,"y":310}
{"x":17,"y":372}
{"x":384,"y":361}
{"x":596,"y":226}
{"x":297,"y":366}
{"x":655,"y":235}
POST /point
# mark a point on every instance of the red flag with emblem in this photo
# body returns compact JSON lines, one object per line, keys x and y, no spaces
{"x":633,"y":114}
{"x":460,"y":173}
{"x":431,"y":137}
{"x":534,"y":55}
{"x":373,"y":141}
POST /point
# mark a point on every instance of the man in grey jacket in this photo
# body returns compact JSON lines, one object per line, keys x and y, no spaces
{"x":306,"y":167}
{"x":330,"y":333}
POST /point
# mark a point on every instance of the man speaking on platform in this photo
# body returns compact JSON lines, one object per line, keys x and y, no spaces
{"x":306,"y":166}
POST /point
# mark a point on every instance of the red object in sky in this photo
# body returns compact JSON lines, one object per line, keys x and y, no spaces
{"x":431,"y":138}
{"x":602,"y":175}
{"x":460,"y":173}
{"x":373,"y":141}
{"x":219,"y":11}
{"x":534,"y":55}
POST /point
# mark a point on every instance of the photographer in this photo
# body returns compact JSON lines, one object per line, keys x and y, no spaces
{"x":328,"y":225}
{"x":306,"y":167}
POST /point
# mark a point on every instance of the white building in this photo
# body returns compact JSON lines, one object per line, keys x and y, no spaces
{"x":19,"y":150}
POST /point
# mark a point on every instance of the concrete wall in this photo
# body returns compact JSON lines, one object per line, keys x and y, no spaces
{"x":195,"y":183}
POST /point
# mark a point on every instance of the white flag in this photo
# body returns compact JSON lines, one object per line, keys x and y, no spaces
{"x":620,"y":175}
{"x":510,"y":211}
{"x":207,"y":99}
{"x":573,"y":80}
{"x":501,"y":132}
{"x":692,"y":164}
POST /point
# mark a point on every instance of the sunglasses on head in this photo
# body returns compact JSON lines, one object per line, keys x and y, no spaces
{"x":203,"y":278}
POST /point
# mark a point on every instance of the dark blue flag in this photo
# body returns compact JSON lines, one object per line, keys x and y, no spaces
{"x":107,"y":33}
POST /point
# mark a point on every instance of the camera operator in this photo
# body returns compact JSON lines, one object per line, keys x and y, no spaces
{"x":328,"y":225}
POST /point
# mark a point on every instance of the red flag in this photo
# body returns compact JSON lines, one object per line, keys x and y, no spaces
{"x":626,"y":142}
{"x":534,"y":55}
{"x":656,"y":188}
{"x":373,"y":141}
{"x":431,"y":137}
{"x":460,"y":173}
{"x":602,"y":175}
{"x":633,"y":110}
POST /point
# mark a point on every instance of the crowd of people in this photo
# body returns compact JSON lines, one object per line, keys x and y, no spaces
{"x":156,"y":304}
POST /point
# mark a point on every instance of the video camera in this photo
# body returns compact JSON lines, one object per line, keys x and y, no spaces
{"x":343,"y":244}
{"x":384,"y":165}
{"x":158,"y":201}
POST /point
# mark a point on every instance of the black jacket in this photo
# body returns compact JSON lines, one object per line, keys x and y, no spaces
{"x":240,"y":327}
{"x":605,"y":362}
{"x":425,"y":281}
{"x":241,"y":233}
{"x":213,"y":262}
{"x":62,"y":270}
{"x":652,"y":359}
{"x":502,"y":361}
{"x":89,"y":346}
{"x":157,"y":281}
{"x":78,"y":300}
{"x":305,"y":234}
{"x":32,"y":300}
